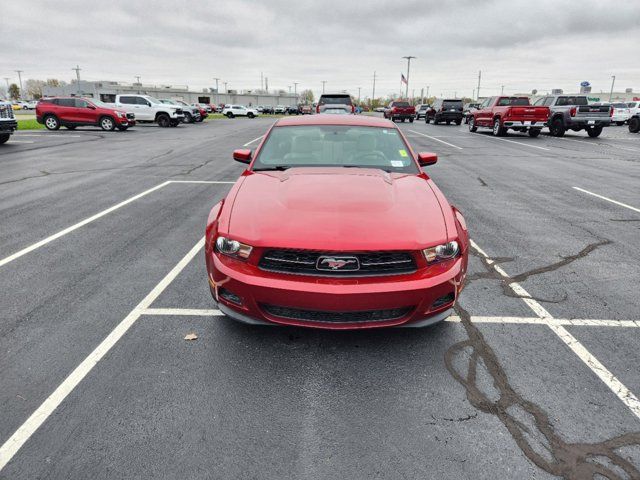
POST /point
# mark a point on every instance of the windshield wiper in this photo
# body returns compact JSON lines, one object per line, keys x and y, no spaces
{"x":273,"y":167}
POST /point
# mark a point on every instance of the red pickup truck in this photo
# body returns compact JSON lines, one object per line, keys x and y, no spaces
{"x":503,"y":113}
{"x":400,"y":110}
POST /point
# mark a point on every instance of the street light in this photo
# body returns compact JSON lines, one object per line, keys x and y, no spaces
{"x":613,"y":81}
{"x":323,"y":82}
{"x":409,"y":57}
{"x":216,"y":79}
{"x":77,"y":69}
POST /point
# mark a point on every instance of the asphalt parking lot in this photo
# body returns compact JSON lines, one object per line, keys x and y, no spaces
{"x":102,"y":275}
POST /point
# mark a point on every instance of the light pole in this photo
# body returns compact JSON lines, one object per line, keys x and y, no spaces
{"x":295,"y":90}
{"x":323,"y":82}
{"x":19,"y":72}
{"x":373,"y":95}
{"x":613,"y":81}
{"x":225,"y":87}
{"x":428,"y":91}
{"x":409,"y":57}
{"x":502,"y":90}
{"x":6,"y":79}
{"x":77,"y":69}
{"x":359,"y":95}
{"x":216,"y":79}
{"x":138,"y":83}
{"x":478,"y":89}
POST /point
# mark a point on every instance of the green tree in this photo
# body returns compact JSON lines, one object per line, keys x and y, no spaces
{"x":306,"y":96}
{"x":14,"y":92}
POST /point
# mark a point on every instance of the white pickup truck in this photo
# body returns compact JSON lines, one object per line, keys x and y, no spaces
{"x":150,"y":109}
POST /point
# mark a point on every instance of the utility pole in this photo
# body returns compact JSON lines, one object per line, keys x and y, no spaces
{"x":359,"y":95}
{"x":428,"y":91}
{"x":77,"y":69}
{"x":373,"y":95}
{"x":261,"y":81}
{"x":323,"y":82}
{"x":138,"y":83}
{"x":216,"y":79}
{"x":455,"y":94}
{"x":289,"y":89}
{"x":225,"y":87}
{"x":473,"y":95}
{"x":502,"y":90}
{"x":613,"y":82}
{"x":19,"y":72}
{"x":406,"y":92}
{"x":6,"y":79}
{"x":422,"y":95}
{"x":479,"y":77}
{"x":295,"y":89}
{"x":266,"y":84}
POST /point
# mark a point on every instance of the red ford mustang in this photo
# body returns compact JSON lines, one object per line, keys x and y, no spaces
{"x":334,"y":225}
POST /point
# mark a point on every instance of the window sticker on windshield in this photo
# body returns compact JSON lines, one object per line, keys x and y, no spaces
{"x":397,"y":163}
{"x":403,"y":153}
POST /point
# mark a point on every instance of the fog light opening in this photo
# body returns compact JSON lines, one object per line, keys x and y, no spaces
{"x":229,"y":296}
{"x":444,"y":300}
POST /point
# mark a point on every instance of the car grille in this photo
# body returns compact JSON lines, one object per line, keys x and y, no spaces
{"x":130,"y":116}
{"x":306,"y":262}
{"x":6,"y":111}
{"x":336,"y":317}
{"x":179,"y":111}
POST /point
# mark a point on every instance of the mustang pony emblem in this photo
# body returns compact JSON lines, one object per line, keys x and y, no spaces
{"x":337,"y":263}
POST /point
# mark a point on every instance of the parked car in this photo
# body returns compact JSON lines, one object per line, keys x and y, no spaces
{"x":621,"y":113}
{"x":268,"y":109}
{"x":445,"y":110}
{"x":280,"y":109}
{"x":232,"y":111}
{"x":72,"y":112}
{"x":573,"y":112}
{"x":203,"y":106}
{"x":634,"y":123}
{"x":191,"y":114}
{"x":293,"y":110}
{"x":379,"y":109}
{"x":467,"y":109}
{"x":634,"y":107}
{"x":400,"y":110}
{"x":204,"y":113}
{"x":333,"y":102}
{"x":421,"y":110}
{"x":306,"y":110}
{"x":8,"y":122}
{"x":302,"y":241}
{"x":30,"y":105}
{"x":148,"y":109}
{"x":503,"y":113}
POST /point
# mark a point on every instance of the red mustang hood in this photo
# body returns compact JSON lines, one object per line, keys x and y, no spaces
{"x":337,"y":209}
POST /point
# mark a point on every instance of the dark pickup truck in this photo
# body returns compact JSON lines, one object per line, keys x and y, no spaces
{"x":400,"y":110}
{"x":8,"y":123}
{"x":573,"y":112}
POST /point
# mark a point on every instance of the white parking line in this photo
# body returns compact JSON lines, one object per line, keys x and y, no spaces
{"x":254,"y":140}
{"x":46,"y":135}
{"x":609,"y":379}
{"x":576,"y":322}
{"x":186,"y":312}
{"x":436,"y":139}
{"x":84,"y":222}
{"x":517,"y":143}
{"x":607,"y":199}
{"x":37,"y":418}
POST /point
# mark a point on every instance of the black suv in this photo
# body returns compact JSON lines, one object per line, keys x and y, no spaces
{"x":445,"y":110}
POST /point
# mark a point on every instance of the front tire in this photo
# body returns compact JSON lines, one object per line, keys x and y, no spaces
{"x":163,"y":120}
{"x":448,"y":122}
{"x":472,"y":125}
{"x":230,"y":115}
{"x":51,"y":122}
{"x":174,"y":123}
{"x":427,"y":119}
{"x":634,"y":125}
{"x":107,"y":124}
{"x":4,"y":138}
{"x":188,"y":118}
{"x":557,"y":127}
{"x":411,"y":120}
{"x":458,"y":122}
{"x":251,"y":115}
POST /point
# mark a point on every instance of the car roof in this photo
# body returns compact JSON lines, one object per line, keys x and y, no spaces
{"x":328,"y":119}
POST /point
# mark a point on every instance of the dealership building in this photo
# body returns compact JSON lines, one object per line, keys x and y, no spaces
{"x":106,"y":91}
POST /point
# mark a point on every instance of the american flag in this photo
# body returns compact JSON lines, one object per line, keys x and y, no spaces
{"x":402,"y":79}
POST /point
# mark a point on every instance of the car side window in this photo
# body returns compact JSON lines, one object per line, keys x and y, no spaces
{"x":128,"y":100}
{"x":142,"y":101}
{"x":81,"y":103}
{"x":539,"y":102}
{"x":67,"y":102}
{"x":548,"y":101}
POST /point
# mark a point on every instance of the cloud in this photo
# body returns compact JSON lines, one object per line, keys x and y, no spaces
{"x":520,"y":44}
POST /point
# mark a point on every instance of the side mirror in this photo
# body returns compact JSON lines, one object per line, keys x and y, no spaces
{"x":242,"y":155}
{"x":427,"y":158}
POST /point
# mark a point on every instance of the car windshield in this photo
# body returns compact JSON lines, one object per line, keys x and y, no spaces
{"x":335,"y":100}
{"x":452,"y":104}
{"x":335,"y":146}
{"x":400,"y":104}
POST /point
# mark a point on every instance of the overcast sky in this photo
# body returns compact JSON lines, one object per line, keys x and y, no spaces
{"x":519,"y":44}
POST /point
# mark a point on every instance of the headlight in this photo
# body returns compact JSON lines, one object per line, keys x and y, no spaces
{"x":233,"y":247}
{"x":120,"y":114}
{"x":441,"y":252}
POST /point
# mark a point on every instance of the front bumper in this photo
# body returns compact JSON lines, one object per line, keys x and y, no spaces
{"x":524,"y":123}
{"x":425,"y":297}
{"x":8,"y":125}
